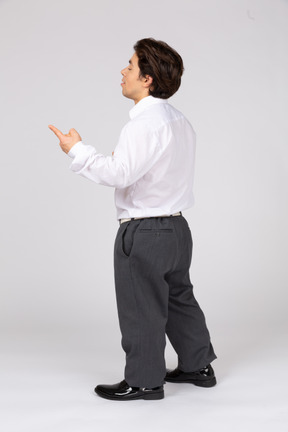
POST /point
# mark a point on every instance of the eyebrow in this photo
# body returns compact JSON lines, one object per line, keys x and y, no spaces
{"x":131,"y":63}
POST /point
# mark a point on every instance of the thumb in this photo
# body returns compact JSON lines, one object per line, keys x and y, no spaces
{"x":74,"y":135}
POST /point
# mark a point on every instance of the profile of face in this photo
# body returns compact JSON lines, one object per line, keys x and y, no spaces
{"x":133,"y":86}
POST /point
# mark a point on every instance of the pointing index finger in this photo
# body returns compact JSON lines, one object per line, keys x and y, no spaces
{"x":57,"y":132}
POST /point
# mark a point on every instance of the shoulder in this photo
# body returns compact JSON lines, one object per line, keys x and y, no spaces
{"x":138,"y":130}
{"x":155,"y":117}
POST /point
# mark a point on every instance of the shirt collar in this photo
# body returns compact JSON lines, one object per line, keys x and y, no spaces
{"x":143,"y":104}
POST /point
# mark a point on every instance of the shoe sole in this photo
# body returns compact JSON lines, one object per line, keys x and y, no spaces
{"x":148,"y":396}
{"x":206,"y":384}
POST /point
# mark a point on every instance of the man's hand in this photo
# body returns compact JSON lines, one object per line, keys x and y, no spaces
{"x":66,"y":141}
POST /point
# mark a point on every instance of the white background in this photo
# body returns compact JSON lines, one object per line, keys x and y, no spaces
{"x":60,"y":65}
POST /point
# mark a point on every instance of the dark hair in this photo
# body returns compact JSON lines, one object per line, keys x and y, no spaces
{"x":162,"y":63}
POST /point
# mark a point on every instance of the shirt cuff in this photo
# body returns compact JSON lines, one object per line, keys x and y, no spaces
{"x":76,"y":149}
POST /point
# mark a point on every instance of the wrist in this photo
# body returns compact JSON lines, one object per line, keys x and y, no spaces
{"x":75,"y":149}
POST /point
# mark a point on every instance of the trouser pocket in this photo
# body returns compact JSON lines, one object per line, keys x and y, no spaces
{"x":128,"y":237}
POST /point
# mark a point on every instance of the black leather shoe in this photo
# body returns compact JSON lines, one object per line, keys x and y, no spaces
{"x":203,"y":377}
{"x":122,"y":391}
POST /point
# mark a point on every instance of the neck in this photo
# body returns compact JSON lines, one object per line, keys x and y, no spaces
{"x":140,"y":98}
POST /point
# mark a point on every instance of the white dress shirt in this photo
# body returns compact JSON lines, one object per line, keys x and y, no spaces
{"x":152,"y":168}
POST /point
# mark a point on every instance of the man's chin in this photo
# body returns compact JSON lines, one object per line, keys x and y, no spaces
{"x":126,"y":95}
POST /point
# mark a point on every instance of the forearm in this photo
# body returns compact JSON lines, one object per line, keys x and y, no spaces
{"x":105,"y":170}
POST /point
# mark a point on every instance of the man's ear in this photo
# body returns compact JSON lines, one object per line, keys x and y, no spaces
{"x":147,"y":81}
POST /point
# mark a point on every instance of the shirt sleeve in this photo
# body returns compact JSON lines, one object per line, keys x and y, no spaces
{"x":138,"y":149}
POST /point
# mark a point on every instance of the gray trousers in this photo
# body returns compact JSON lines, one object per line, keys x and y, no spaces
{"x":155,"y":297}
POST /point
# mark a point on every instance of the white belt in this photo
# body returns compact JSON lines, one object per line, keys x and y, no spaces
{"x":148,"y":217}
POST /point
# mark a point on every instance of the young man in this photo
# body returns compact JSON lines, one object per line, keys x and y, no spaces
{"x":152,"y":169}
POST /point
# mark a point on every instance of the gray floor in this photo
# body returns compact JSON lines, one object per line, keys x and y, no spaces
{"x":47,"y":383}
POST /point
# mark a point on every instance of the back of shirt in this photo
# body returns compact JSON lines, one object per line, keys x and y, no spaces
{"x":158,"y":145}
